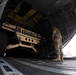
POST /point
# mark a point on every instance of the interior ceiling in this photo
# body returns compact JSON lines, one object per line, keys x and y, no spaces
{"x":47,"y":6}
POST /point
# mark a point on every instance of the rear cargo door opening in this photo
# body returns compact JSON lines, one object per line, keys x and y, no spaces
{"x":70,"y":49}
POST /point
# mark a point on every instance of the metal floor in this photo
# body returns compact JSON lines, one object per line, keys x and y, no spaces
{"x":21,"y":66}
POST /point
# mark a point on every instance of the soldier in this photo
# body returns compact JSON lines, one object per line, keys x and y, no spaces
{"x":57,"y":42}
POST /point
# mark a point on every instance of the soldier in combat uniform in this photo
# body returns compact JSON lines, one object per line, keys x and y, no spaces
{"x":57,"y":42}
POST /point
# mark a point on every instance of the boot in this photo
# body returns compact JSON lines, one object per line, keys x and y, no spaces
{"x":58,"y":58}
{"x":62,"y":57}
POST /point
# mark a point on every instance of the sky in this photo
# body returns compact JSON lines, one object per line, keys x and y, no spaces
{"x":70,"y":49}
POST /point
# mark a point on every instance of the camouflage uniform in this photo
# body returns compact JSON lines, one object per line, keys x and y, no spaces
{"x":57,"y":40}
